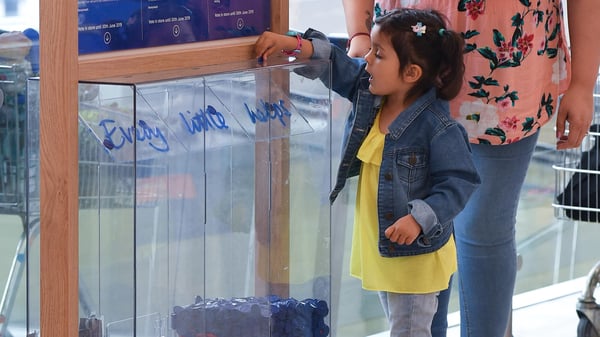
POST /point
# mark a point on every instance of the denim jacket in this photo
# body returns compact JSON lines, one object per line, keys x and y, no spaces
{"x":426,"y":170}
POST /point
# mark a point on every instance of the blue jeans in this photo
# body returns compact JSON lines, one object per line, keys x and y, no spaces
{"x":485,"y":238}
{"x":439,"y":326}
{"x":409,"y":315}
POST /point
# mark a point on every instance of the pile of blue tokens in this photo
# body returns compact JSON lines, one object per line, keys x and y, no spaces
{"x":251,"y":317}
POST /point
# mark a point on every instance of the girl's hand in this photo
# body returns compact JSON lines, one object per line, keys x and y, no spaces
{"x":270,"y":43}
{"x":404,"y":231}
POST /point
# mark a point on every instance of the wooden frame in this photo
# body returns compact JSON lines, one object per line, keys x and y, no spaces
{"x":61,"y":70}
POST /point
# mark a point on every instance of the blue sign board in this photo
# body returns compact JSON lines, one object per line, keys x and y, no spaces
{"x":108,"y":25}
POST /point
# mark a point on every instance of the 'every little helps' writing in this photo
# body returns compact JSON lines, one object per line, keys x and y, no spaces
{"x":203,"y":120}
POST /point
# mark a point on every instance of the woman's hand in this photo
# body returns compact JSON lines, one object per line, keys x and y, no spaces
{"x":359,"y":45}
{"x":576,"y":107}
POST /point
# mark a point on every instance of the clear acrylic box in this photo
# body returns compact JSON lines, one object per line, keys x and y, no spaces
{"x":204,"y":205}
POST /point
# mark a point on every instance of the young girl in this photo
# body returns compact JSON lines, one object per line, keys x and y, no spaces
{"x":413,"y":160}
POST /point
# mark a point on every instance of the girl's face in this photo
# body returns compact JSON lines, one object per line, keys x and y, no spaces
{"x":384,"y":67}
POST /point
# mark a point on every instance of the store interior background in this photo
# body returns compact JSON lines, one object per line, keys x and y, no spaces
{"x":553,"y":250}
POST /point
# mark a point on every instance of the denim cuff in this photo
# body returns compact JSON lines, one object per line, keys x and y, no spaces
{"x":424,"y":215}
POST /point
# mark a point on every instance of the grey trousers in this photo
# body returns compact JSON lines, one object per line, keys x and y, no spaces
{"x":409,"y":315}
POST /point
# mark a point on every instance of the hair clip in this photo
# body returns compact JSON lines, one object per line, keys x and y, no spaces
{"x":441,"y":31}
{"x":419,"y":28}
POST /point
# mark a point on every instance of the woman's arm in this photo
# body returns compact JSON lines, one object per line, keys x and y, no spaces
{"x":359,"y":19}
{"x":577,"y":104}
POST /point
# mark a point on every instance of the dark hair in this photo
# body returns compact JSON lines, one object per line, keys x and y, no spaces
{"x":438,"y":51}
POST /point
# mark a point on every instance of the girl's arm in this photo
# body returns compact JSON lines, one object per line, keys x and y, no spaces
{"x":343,"y":76}
{"x":270,"y":43}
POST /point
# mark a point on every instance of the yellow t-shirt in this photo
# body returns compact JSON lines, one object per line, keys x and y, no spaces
{"x":418,"y":274}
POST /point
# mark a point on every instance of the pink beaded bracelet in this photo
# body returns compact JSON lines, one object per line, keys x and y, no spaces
{"x":298,"y":47}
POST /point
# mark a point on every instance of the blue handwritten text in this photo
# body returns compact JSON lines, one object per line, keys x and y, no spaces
{"x":269,"y":111}
{"x":118,"y":136}
{"x":204,"y":120}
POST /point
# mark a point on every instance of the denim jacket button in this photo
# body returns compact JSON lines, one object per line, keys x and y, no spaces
{"x":388,"y":176}
{"x":423,"y":241}
{"x":389,"y":216}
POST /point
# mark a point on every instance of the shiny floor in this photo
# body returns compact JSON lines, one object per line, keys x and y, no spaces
{"x":548,"y":312}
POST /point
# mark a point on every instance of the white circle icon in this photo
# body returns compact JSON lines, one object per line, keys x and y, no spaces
{"x":107,"y":38}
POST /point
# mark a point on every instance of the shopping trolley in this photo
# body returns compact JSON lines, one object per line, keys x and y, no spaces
{"x":13,"y":112}
{"x":18,"y":180}
{"x":13,"y":80}
{"x":577,"y":199}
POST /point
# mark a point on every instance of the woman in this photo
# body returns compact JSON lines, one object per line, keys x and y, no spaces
{"x":517,"y":64}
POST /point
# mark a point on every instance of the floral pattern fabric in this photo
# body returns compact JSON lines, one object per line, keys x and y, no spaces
{"x":517,"y":63}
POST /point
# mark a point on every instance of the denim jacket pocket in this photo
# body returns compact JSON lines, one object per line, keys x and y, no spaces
{"x":411,"y":164}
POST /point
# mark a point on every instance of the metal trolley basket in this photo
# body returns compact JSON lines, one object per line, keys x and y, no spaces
{"x":13,"y":173}
{"x":577,"y":184}
{"x":19,"y":185}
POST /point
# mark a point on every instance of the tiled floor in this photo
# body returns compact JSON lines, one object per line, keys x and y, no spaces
{"x":547,"y":312}
{"x":544,"y":312}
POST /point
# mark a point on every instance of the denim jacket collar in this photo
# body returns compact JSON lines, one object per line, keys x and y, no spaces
{"x":405,"y":119}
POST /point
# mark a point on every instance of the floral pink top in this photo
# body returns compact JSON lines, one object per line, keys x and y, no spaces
{"x":517,"y":63}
